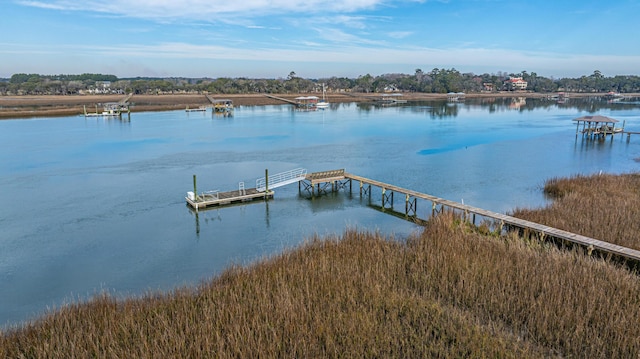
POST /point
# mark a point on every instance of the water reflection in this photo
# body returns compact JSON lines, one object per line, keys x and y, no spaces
{"x":228,"y":114}
{"x":444,"y":109}
{"x":436,"y":109}
{"x":441,"y":109}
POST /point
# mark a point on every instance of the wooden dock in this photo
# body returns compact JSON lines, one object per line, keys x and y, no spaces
{"x":215,"y":198}
{"x":542,"y":230}
{"x":125,"y":100}
{"x":597,"y":126}
{"x":263,"y":190}
{"x":629,"y":133}
{"x":282,"y":99}
{"x":224,"y":106}
{"x":318,"y":182}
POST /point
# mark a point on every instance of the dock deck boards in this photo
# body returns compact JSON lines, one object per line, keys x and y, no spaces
{"x":226,"y":198}
{"x":605,"y":247}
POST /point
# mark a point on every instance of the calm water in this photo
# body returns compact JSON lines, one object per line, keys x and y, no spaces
{"x":88,"y":205}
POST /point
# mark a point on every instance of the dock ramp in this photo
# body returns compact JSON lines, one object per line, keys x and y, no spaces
{"x":281,"y":179}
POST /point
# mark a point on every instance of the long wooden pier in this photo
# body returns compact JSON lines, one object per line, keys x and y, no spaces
{"x":125,"y":100}
{"x":282,"y":99}
{"x":317,"y":183}
{"x":629,"y":133}
{"x":340,"y":179}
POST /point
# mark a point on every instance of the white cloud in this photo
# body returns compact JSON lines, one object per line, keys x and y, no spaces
{"x":203,"y":9}
{"x":358,"y":59}
{"x":61,"y":5}
{"x":497,"y":59}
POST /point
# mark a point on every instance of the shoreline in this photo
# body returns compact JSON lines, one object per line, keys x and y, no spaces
{"x":20,"y":107}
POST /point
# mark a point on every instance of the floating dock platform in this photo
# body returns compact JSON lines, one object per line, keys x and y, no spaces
{"x":216,"y":198}
{"x":263,"y":190}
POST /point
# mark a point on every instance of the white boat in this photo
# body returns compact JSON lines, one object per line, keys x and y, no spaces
{"x":322,"y":103}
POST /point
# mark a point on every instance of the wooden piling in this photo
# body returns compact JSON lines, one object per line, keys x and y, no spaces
{"x":266,"y":179}
{"x":195,"y":190}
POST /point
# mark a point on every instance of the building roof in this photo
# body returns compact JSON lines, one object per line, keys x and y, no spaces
{"x":596,"y":118}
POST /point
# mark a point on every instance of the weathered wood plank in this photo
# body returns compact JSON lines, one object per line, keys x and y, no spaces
{"x":225,"y":198}
{"x":606,"y":247}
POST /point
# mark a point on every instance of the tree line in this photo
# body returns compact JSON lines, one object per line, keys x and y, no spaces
{"x":434,"y":81}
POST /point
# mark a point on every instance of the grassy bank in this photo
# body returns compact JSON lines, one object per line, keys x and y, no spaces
{"x":448,"y":292}
{"x":605,"y":207}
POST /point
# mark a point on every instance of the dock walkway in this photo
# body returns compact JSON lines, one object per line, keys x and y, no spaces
{"x":542,"y":230}
{"x":125,"y":100}
{"x":282,"y":99}
{"x":319,"y":182}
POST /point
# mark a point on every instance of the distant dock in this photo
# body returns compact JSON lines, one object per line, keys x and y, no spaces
{"x":222,"y":106}
{"x":597,"y":126}
{"x":281,"y":99}
{"x":112,"y":109}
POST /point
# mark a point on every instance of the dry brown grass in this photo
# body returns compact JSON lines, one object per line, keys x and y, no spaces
{"x":448,"y":292}
{"x":605,"y":207}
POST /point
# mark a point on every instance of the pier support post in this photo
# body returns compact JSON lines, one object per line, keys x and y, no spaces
{"x":410,"y":206}
{"x":195,"y":191}
{"x":266,"y":184}
{"x":406,"y":204}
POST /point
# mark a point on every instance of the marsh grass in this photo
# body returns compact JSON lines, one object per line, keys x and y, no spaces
{"x":605,"y":207}
{"x":450,"y":291}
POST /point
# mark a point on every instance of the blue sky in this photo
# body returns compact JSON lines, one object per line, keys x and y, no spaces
{"x":318,"y":38}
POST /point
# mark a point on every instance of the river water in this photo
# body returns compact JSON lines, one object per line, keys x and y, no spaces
{"x":92,"y":205}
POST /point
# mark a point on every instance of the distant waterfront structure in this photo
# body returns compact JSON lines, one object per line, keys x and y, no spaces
{"x":515,"y":83}
{"x":597,"y":126}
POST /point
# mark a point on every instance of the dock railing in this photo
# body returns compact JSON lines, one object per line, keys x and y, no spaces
{"x":325,"y":174}
{"x":281,"y":179}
